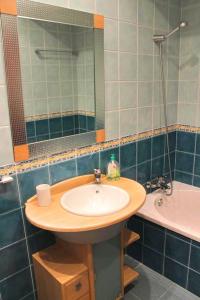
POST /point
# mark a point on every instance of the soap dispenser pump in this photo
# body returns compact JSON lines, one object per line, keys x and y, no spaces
{"x":113,"y":169}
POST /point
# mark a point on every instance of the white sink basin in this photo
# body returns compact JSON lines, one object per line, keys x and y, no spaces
{"x":95,"y":200}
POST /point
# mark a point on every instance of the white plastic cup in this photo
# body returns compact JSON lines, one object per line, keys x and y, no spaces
{"x":43,"y":194}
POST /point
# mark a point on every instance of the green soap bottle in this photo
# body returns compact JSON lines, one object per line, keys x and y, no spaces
{"x":113,"y":169}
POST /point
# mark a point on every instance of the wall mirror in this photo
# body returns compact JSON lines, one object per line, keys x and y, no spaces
{"x":54,"y":62}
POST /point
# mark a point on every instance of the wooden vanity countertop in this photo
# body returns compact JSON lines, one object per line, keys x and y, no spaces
{"x":56,"y":218}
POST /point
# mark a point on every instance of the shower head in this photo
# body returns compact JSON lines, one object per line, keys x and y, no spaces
{"x":183,"y":24}
{"x":161,"y":37}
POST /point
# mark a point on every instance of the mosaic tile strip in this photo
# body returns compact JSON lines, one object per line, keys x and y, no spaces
{"x":188,"y":128}
{"x":59,"y":114}
{"x":58,"y":157}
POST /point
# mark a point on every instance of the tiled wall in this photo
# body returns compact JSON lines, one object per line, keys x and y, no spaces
{"x":46,"y":76}
{"x":189,"y":97}
{"x":133,"y":59}
{"x":133,"y":102}
{"x":187,"y":166}
{"x":46,"y":129}
{"x":84,"y":83}
{"x":167,"y":252}
{"x":148,"y":159}
{"x":57,"y":64}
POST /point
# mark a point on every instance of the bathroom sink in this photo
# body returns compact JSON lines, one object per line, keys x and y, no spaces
{"x":94,"y":200}
{"x":86,"y":213}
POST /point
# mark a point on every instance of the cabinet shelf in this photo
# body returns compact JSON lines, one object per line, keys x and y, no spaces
{"x":130,"y":275}
{"x":129,"y":237}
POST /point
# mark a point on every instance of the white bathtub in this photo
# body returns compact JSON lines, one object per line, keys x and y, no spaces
{"x":179,"y":212}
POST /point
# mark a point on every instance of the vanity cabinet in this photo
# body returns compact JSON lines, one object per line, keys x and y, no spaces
{"x":60,"y":275}
{"x":87,"y":260}
{"x":67,"y":271}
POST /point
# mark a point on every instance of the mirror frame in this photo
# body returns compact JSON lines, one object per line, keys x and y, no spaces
{"x":49,"y":13}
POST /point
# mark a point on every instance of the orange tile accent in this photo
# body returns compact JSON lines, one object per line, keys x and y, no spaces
{"x":8,"y":7}
{"x":98,"y":22}
{"x":21,"y":152}
{"x":100,"y":136}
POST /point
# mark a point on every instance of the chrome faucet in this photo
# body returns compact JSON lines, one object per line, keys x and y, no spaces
{"x":159,"y":182}
{"x":97,"y":176}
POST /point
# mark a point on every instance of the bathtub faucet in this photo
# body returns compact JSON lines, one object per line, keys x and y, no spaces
{"x":159,"y":182}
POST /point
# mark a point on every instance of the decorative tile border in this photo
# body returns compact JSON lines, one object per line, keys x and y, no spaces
{"x":56,"y":158}
{"x":188,"y":128}
{"x":59,"y":114}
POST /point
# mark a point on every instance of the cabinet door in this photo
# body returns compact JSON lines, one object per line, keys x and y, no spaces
{"x":107,"y":267}
{"x":86,"y":297}
{"x":77,"y":288}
